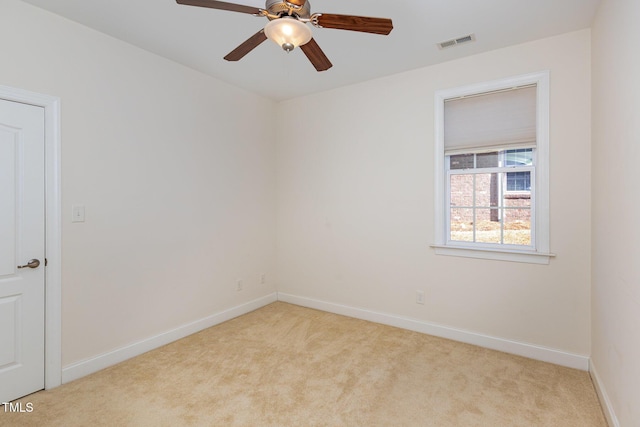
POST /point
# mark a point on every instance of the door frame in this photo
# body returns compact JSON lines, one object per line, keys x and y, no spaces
{"x":53,"y":229}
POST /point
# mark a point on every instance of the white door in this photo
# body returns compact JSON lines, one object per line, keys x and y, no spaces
{"x":22,"y":220}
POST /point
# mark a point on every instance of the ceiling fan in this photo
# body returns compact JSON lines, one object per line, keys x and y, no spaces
{"x":287,"y":26}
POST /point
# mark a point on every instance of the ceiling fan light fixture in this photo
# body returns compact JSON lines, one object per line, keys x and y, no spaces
{"x":288,"y":32}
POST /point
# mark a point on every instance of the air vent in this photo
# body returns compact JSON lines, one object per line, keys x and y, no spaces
{"x":455,"y":42}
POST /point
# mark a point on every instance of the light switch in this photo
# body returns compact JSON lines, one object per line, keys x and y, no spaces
{"x":77,"y":214}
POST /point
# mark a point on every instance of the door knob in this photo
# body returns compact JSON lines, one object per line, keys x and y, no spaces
{"x":34,"y":263}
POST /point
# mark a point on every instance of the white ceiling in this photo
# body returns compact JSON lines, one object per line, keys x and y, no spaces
{"x":200,"y":37}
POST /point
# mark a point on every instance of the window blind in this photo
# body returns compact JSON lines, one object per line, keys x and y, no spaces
{"x":486,"y":122}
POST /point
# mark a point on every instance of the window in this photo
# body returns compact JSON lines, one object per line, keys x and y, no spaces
{"x":484,"y":207}
{"x":492,"y":190}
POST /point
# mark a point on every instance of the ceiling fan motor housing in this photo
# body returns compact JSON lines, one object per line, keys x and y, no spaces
{"x":280,"y":7}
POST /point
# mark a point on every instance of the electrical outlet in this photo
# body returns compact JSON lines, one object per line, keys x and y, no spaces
{"x":263,"y":279}
{"x":419,"y":297}
{"x":239,"y":285}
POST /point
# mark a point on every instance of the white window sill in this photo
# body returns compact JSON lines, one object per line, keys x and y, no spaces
{"x":494,"y":254}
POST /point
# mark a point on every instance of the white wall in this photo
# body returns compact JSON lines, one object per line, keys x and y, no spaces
{"x":616,"y":203}
{"x":356,"y":205}
{"x":176,"y":171}
{"x":177,"y":212}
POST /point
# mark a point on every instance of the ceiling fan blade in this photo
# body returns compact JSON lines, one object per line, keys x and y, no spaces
{"x":222,"y":5}
{"x":316,"y":56}
{"x":246,"y":47}
{"x":354,"y":23}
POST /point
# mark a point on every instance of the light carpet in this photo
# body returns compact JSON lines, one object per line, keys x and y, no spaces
{"x":285,"y":365}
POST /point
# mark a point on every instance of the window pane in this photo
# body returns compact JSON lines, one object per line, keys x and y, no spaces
{"x":518,"y":181}
{"x":461,"y":161}
{"x":519,"y":157}
{"x":487,"y":194}
{"x":517,"y":200}
{"x":487,"y":226}
{"x":517,"y":226}
{"x":462,"y":190}
{"x":487,"y":160}
{"x":462,"y":225}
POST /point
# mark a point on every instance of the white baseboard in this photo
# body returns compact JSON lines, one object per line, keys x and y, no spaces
{"x":605,"y":403}
{"x":531,"y":351}
{"x":95,"y":364}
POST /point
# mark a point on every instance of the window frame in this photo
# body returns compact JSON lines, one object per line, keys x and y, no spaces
{"x":538,"y":253}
